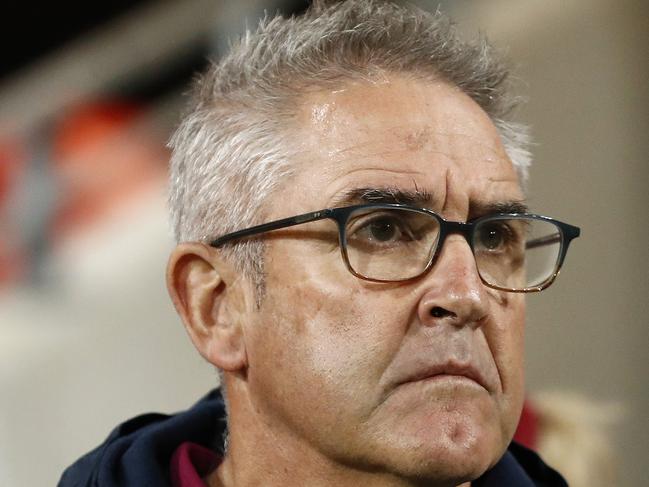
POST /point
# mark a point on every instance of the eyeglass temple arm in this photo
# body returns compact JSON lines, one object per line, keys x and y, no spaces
{"x":274,"y":225}
{"x":568,"y":232}
{"x":547,"y":240}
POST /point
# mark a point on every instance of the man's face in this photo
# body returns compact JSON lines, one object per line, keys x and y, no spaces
{"x":421,"y":378}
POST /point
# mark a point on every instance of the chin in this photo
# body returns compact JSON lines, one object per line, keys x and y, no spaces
{"x":460,"y":451}
{"x":454,"y":441}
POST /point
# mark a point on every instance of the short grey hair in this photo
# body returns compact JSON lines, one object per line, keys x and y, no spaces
{"x":232,"y":150}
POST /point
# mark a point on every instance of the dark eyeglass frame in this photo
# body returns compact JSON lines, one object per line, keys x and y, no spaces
{"x":466,"y":229}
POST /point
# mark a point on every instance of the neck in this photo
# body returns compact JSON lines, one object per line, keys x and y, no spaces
{"x":263,"y":453}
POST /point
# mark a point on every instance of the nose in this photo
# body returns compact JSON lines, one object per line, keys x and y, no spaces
{"x":453,"y":292}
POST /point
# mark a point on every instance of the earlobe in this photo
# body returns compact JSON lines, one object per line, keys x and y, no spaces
{"x":207,"y":296}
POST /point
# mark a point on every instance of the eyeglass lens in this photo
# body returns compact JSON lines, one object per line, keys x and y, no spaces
{"x":398,"y":243}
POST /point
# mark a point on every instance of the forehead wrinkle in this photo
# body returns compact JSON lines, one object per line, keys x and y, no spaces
{"x":387,"y":152}
{"x":480,"y":152}
{"x":493,"y":179}
{"x":422,"y":140}
{"x":389,"y":155}
{"x":385,"y":169}
{"x":350,"y":148}
{"x":469,"y":135}
{"x":419,"y":139}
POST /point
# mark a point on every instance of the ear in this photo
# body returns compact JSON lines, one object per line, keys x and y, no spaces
{"x":207,"y":293}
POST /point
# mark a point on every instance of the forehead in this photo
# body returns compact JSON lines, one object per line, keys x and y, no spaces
{"x":400,"y":133}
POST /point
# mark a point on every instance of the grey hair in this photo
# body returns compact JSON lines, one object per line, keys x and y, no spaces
{"x":232,"y":150}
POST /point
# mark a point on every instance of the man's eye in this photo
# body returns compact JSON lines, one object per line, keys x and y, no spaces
{"x":382,"y":229}
{"x":494,"y":236}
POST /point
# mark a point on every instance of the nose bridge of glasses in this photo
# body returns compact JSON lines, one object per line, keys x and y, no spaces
{"x":457,"y":263}
{"x":448,"y":228}
{"x":452,"y":227}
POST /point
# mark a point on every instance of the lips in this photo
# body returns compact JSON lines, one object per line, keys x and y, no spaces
{"x":449,"y":368}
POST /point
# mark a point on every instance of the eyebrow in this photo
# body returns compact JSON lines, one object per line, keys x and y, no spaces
{"x":388,"y":194}
{"x":478,"y":208}
{"x":423,"y":199}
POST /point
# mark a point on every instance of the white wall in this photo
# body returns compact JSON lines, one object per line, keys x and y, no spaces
{"x":101,"y":346}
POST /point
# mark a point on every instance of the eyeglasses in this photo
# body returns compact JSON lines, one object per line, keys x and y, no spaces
{"x":515,"y":252}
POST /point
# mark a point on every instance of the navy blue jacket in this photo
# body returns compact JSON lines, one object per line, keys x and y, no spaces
{"x":138,"y":452}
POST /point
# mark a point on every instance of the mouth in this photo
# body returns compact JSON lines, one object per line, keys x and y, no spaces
{"x":448,"y":371}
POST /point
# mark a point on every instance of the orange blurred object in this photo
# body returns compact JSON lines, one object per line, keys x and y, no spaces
{"x":12,"y":256}
{"x":12,"y":161}
{"x":104,"y":153}
{"x":88,"y":125}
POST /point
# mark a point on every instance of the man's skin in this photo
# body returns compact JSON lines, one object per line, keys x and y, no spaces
{"x":320,"y":377}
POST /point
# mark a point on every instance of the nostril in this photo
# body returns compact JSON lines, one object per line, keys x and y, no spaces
{"x":439,"y":312}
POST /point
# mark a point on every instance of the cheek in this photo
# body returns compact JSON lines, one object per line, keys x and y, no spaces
{"x":328,"y":333}
{"x":507,"y":344}
{"x":516,"y":343}
{"x":506,"y":335}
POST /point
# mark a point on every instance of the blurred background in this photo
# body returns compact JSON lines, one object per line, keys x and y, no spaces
{"x":88,"y":336}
